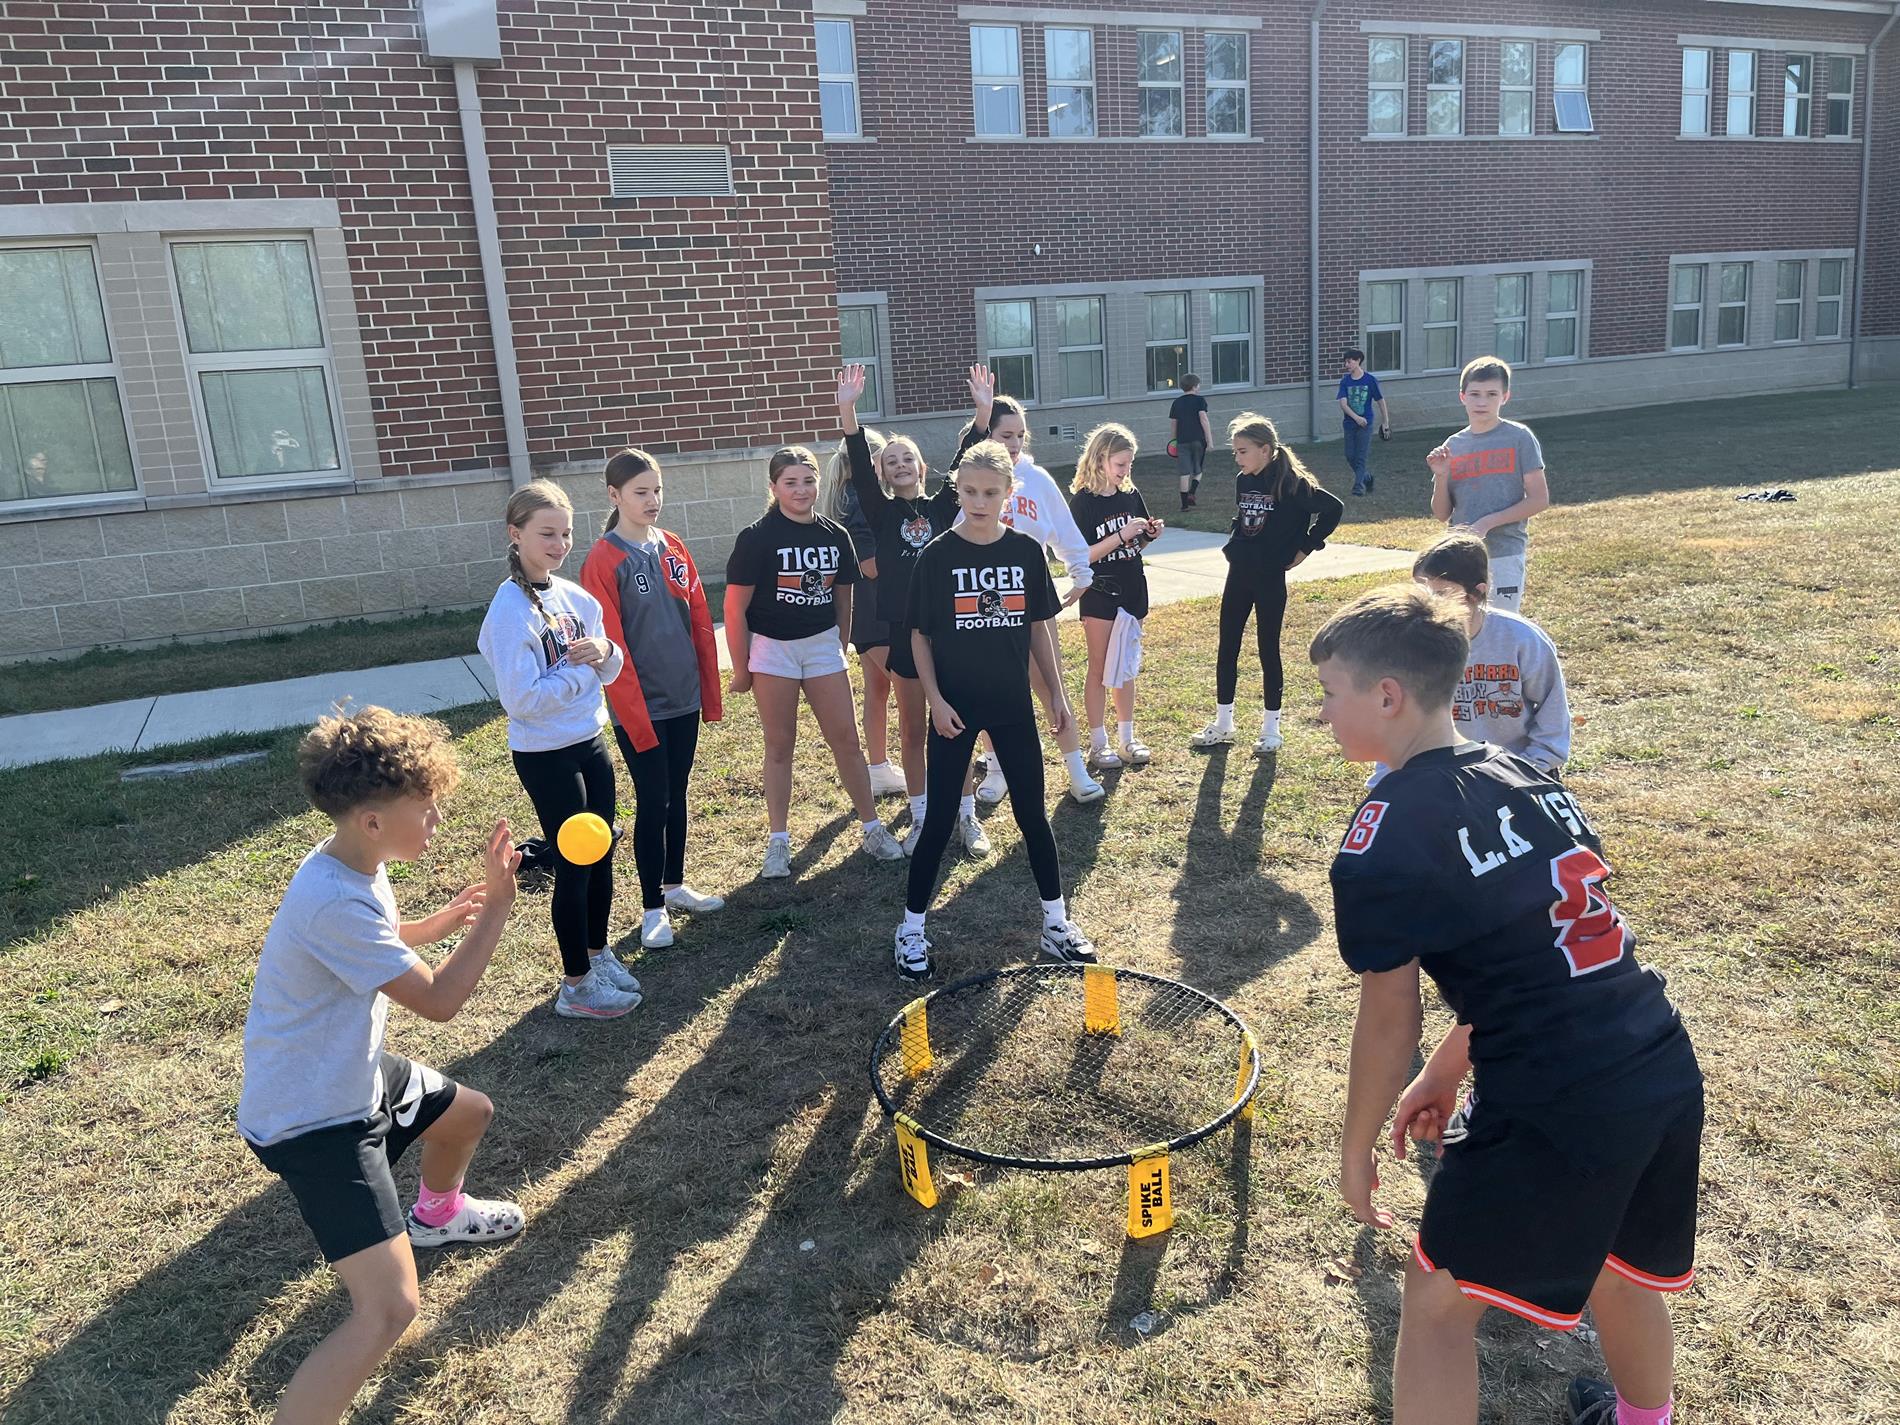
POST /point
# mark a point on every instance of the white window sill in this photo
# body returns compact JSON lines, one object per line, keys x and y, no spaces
{"x":238,"y":486}
{"x":1044,"y":138}
{"x":1843,"y":140}
{"x":1473,"y":138}
{"x":119,"y":502}
{"x":849,"y":138}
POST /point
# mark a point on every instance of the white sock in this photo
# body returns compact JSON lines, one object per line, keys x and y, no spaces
{"x":876,"y":767}
{"x":1098,"y":738}
{"x":867,"y":827}
{"x":966,"y":807}
{"x":1272,"y":723}
{"x":1224,"y":716}
{"x":913,"y":919}
{"x":1126,"y":731}
{"x":1078,"y":769}
{"x":784,"y":836}
{"x":1054,"y":913}
{"x":917,"y":805}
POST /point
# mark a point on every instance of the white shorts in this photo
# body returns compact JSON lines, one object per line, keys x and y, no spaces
{"x":1507,"y":583}
{"x":812,"y":657}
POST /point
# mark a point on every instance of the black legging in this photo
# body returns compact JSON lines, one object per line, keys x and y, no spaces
{"x":561,"y":783}
{"x":1262,"y":594}
{"x":947,"y":764}
{"x":659,"y":803}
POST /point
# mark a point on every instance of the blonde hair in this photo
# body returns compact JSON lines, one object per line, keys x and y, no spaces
{"x":623,"y":467}
{"x":524,"y":505}
{"x":831,"y":494}
{"x":784,"y":458}
{"x":991,"y":455}
{"x":1091,"y":471}
{"x":1283,"y":468}
{"x":374,"y":755}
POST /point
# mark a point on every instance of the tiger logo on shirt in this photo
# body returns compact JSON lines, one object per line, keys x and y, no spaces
{"x":558,"y":630}
{"x":805,"y":575}
{"x":1254,"y":506}
{"x":915,"y":531}
{"x":991,"y":597}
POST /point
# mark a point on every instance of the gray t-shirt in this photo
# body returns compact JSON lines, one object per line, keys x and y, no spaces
{"x":314,"y":1037}
{"x":1487,"y":475}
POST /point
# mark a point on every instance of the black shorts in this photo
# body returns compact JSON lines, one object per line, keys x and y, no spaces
{"x":341,"y":1175}
{"x":1525,"y":1216}
{"x":868,"y":631}
{"x":900,"y":660}
{"x":1107,"y":602}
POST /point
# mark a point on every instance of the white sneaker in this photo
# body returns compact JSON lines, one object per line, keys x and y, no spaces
{"x":477,"y":1221}
{"x":912,"y":837}
{"x":656,"y":930}
{"x":887,"y":781}
{"x":1213,"y":735}
{"x":778,"y":860}
{"x":1268,"y":742}
{"x":1136,"y":753}
{"x":912,"y":954}
{"x":970,"y":833}
{"x":692,"y":902}
{"x":1065,"y":943}
{"x":594,"y":998}
{"x":607,"y":965}
{"x":880,"y":845}
{"x":992,"y":789}
{"x":1104,"y":759}
{"x":1087,"y":790}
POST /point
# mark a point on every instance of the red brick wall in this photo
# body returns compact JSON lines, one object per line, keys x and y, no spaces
{"x":1882,"y":313}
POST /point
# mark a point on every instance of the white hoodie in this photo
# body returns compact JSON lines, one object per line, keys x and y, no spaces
{"x":1038,"y":509}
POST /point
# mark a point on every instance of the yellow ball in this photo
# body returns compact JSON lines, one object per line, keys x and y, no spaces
{"x":584,"y":838}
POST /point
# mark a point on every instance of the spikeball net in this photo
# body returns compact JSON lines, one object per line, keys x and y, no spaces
{"x":1064,"y":1068}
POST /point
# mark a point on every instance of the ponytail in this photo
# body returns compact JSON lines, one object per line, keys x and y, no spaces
{"x":1284,"y":470}
{"x":623,"y":467}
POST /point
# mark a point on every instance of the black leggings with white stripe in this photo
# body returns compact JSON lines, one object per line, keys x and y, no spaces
{"x":947,"y":764}
{"x":561,"y":783}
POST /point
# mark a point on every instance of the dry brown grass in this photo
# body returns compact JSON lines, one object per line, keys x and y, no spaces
{"x":674,"y":1164}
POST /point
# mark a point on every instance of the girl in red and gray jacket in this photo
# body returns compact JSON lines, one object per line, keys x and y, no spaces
{"x":650,"y":593}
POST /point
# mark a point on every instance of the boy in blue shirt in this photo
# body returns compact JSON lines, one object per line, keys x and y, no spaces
{"x":1359,"y":398}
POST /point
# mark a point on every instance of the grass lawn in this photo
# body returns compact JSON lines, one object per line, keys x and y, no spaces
{"x":716,"y":1230}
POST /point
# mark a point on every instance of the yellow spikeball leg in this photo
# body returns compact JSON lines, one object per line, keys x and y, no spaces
{"x":1149,"y":1209}
{"x":913,"y":1164}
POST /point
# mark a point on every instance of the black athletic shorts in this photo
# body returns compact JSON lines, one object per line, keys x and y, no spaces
{"x":341,"y":1175}
{"x":1111,"y":598}
{"x":1526,"y":1211}
{"x":900,"y":660}
{"x":868,"y":631}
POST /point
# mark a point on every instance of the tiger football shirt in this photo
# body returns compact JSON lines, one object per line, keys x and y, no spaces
{"x":792,"y":569}
{"x":977,"y":604}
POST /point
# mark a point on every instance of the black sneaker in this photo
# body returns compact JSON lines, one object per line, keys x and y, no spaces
{"x":1591,"y":1402}
{"x":912,"y":954}
{"x":1064,"y":942}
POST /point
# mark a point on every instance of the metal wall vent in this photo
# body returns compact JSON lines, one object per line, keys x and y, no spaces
{"x":669,"y":170}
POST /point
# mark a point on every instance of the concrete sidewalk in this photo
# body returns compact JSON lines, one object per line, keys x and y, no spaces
{"x":1185,"y":564}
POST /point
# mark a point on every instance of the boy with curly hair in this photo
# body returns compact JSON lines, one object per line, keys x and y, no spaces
{"x":324,"y":1106}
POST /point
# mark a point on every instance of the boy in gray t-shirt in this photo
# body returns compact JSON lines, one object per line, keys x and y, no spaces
{"x":1489,"y":477}
{"x":323,"y":1105}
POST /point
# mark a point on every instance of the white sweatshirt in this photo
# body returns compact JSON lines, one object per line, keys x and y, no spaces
{"x":1038,"y":508}
{"x":550,"y":702}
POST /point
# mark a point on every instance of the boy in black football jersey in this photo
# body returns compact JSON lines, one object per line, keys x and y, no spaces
{"x":1575,"y":1178}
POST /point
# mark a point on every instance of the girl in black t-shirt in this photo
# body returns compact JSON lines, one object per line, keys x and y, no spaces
{"x":788,"y":605}
{"x":1114,"y":519}
{"x":870,"y":630}
{"x":1281,"y":515}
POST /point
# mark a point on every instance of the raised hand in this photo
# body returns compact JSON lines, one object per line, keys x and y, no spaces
{"x":982,"y":387}
{"x":499,"y":860}
{"x":850,"y":386}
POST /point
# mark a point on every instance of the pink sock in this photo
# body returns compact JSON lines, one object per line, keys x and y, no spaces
{"x":1627,"y":1414}
{"x":435,"y":1208}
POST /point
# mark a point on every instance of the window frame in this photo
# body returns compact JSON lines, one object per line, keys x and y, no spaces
{"x":1212,"y":86}
{"x":1185,"y":344}
{"x":1792,"y":127}
{"x":1528,"y":90}
{"x":1581,"y":89}
{"x":1098,"y":346}
{"x":1178,"y":84}
{"x":1799,"y":266}
{"x":1455,"y":325}
{"x":1396,"y":329}
{"x":1703,"y":93}
{"x":1724,"y":304}
{"x":990,"y":353}
{"x":1218,"y":338}
{"x":1573,"y":315}
{"x":77,"y":371}
{"x":1403,"y":88}
{"x":850,"y":78}
{"x":1734,"y":94}
{"x":1701,"y":269}
{"x":984,"y":80}
{"x":1833,"y":96}
{"x":874,"y":410}
{"x":198,"y":364}
{"x":1051,"y":83}
{"x":1838,"y":301}
{"x":1522,"y":321}
{"x":1433,"y":88}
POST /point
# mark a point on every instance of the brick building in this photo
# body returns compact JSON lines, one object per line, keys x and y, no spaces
{"x":290,"y":292}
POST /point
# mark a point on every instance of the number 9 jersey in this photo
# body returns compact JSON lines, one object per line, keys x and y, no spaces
{"x":1486,"y":871}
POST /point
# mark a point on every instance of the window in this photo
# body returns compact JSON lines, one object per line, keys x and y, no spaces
{"x":838,"y":79}
{"x":1741,"y":93}
{"x":1517,"y":85}
{"x":257,"y":355}
{"x":1840,"y":96}
{"x":62,"y":429}
{"x":1685,"y":307}
{"x":1385,"y":86}
{"x":1445,"y":88}
{"x":1069,"y":58}
{"x":1441,"y":323}
{"x":1790,"y":282}
{"x":1158,"y":77}
{"x":1510,"y":307}
{"x":1563,"y":306}
{"x":1570,"y":89}
{"x":1228,"y":102}
{"x":996,"y":76}
{"x":1233,"y":338}
{"x":1697,"y":69}
{"x":1385,"y":326}
{"x":1010,"y":344}
{"x":857,"y":345}
{"x":1731,"y":305}
{"x":1827,"y":297}
{"x":1167,"y":339}
{"x":1797,"y":92}
{"x":1081,"y":357}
